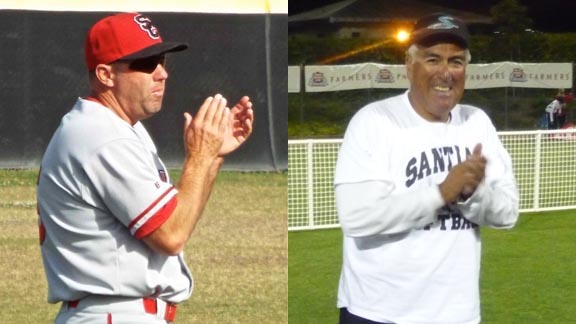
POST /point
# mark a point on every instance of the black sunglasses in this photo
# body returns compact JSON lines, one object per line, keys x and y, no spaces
{"x":148,"y":64}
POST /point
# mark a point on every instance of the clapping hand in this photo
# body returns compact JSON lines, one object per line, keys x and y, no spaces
{"x":239,"y":127}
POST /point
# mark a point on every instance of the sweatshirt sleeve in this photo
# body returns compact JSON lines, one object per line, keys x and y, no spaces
{"x":495,"y":203}
{"x":369,"y":208}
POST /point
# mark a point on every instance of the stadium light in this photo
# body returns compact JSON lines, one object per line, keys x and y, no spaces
{"x":354,"y":52}
{"x":402,"y":35}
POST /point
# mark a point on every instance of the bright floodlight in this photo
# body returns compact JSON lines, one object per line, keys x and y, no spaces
{"x":402,"y":36}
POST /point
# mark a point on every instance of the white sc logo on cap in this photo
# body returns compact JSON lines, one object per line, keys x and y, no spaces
{"x":445,"y":22}
{"x":146,"y":25}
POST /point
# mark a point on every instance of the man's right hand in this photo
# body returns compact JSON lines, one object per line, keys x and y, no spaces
{"x":203,"y":138}
{"x":464,"y":178}
{"x":204,"y":133}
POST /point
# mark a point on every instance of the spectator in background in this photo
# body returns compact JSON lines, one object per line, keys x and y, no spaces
{"x":553,"y":110}
{"x":561,"y":114}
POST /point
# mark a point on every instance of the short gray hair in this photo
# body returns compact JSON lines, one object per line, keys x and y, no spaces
{"x":411,"y":52}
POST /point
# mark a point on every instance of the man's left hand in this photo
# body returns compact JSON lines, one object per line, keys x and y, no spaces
{"x":239,"y":126}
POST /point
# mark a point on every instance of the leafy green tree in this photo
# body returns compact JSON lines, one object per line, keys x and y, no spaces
{"x":515,"y":40}
{"x":510,"y":17}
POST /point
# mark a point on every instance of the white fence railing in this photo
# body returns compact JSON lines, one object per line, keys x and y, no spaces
{"x":544,"y":164}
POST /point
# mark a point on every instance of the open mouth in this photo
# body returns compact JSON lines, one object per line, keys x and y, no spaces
{"x":442,"y":88}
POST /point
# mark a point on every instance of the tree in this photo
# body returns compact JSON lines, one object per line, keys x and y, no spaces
{"x":514,"y":33}
{"x":510,"y":17}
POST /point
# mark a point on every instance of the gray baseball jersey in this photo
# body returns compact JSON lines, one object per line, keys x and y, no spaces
{"x":408,"y":258}
{"x":101,"y":189}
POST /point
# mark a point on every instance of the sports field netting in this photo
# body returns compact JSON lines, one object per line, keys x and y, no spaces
{"x":543,"y":161}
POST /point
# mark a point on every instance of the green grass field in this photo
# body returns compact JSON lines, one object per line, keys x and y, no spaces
{"x":238,"y":253}
{"x":528,"y":273}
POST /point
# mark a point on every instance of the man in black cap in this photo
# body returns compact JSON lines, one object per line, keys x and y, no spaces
{"x":112,"y":225}
{"x":417,"y":174}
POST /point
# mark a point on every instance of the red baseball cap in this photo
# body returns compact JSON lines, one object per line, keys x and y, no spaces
{"x":125,"y":36}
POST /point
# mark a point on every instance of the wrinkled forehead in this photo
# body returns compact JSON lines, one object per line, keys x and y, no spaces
{"x":442,"y":50}
{"x":442,"y":39}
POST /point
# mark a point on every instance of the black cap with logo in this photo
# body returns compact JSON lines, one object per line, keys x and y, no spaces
{"x":438,"y":28}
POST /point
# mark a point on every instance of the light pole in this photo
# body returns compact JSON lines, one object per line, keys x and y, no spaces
{"x":400,"y":36}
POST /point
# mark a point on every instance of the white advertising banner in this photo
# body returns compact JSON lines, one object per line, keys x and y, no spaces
{"x":492,"y":75}
{"x":540,"y":75}
{"x":321,"y":78}
{"x":390,"y":76}
{"x":294,"y":79}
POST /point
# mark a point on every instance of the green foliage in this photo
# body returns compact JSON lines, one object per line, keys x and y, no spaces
{"x":526,"y":47}
{"x":328,"y":113}
{"x":561,"y":47}
{"x":308,"y":50}
{"x":513,"y":34}
{"x":510,"y":17}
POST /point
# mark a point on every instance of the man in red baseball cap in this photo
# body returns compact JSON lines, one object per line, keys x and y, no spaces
{"x":112,"y":225}
{"x":125,"y":37}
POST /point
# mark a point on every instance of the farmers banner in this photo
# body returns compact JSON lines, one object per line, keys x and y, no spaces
{"x":322,"y":78}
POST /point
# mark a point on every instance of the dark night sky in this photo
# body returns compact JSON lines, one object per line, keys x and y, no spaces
{"x":547,"y":15}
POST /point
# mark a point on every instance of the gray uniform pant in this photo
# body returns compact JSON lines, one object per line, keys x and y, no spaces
{"x":109,"y":310}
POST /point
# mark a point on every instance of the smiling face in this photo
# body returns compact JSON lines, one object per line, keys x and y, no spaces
{"x":437,"y":77}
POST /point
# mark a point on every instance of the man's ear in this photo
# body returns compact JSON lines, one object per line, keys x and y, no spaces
{"x":104,"y":75}
{"x":408,"y":60}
